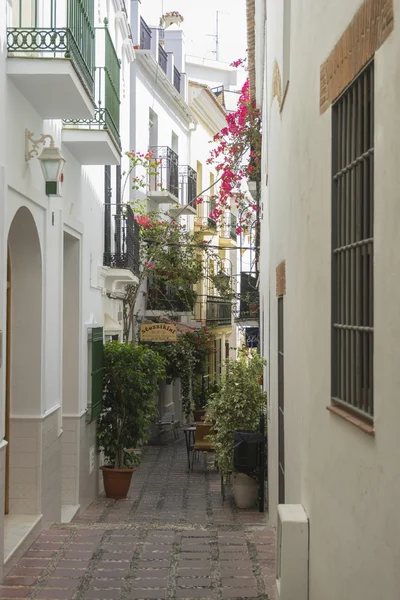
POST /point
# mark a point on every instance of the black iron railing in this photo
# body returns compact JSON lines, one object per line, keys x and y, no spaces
{"x":205,"y":207}
{"x":228,"y":229}
{"x":145,"y":35}
{"x":121,"y":238}
{"x":177,"y":79}
{"x":162,"y":58}
{"x":187,"y":185}
{"x":218,"y":311}
{"x":167,"y":175}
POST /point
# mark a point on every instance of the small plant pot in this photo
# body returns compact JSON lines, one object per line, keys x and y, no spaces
{"x":117,"y":481}
{"x":245,"y":490}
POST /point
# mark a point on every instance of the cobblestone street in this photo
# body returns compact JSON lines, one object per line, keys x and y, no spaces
{"x":172,"y":538}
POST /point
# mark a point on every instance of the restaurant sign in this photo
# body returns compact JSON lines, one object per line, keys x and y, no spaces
{"x":158,"y":332}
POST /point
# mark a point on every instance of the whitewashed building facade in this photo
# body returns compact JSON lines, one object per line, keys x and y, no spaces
{"x":325,"y":76}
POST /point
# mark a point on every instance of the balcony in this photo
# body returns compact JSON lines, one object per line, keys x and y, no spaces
{"x":218,"y":311}
{"x":228,"y":235}
{"x":145,"y":35}
{"x":203,"y":223}
{"x":187,"y":192}
{"x":163,"y":185}
{"x":51,"y":56}
{"x":121,"y":240}
{"x":163,"y":299}
{"x":97,"y":141}
{"x":162,"y":58}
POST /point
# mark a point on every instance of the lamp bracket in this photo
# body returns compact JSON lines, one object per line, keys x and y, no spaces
{"x":32,"y":146}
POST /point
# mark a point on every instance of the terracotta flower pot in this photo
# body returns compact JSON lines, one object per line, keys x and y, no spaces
{"x":117,"y":481}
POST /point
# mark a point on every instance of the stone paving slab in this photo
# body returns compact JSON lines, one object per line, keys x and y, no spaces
{"x":171,"y":539}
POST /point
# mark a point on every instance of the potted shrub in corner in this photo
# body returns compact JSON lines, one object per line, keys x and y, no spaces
{"x":130,"y":381}
{"x":236,"y":407}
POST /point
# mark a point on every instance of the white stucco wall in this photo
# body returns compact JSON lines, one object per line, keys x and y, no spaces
{"x":346,"y":480}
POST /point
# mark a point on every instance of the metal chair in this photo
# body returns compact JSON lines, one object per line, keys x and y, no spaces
{"x":202,"y":444}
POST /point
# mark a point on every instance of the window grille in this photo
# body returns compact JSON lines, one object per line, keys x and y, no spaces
{"x":352,"y":246}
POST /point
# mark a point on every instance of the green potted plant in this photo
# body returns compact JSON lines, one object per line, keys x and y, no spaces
{"x":131,"y":375}
{"x":237,"y":407}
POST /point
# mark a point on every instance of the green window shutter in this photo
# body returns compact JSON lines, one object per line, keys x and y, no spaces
{"x":97,"y":372}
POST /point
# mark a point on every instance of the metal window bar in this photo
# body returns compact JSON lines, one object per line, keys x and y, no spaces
{"x":218,"y":311}
{"x":187,"y":185}
{"x":177,"y":79}
{"x":167,"y":177}
{"x":162,"y":58}
{"x":124,"y":252}
{"x":145,"y":35}
{"x":352,"y":246}
{"x":60,"y":30}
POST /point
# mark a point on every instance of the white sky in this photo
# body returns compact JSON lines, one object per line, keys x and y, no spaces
{"x":200,"y":20}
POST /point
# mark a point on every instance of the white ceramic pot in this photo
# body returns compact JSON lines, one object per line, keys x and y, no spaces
{"x":245,"y":490}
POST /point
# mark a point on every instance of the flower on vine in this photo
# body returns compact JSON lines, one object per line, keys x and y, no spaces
{"x":143,"y":221}
{"x":148,"y":264}
{"x":239,"y":230}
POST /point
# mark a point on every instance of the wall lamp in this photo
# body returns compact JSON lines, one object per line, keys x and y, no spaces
{"x":51,"y":160}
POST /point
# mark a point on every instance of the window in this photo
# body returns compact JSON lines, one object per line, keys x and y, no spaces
{"x":352,"y":246}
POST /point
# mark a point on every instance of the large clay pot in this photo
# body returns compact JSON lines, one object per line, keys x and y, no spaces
{"x":117,"y":481}
{"x":245,"y":490}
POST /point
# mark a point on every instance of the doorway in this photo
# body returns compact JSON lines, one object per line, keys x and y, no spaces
{"x":281,"y":405}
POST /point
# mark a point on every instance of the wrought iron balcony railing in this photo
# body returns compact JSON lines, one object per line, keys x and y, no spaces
{"x":145,"y":35}
{"x":218,"y":311}
{"x":228,"y":229}
{"x":187,"y":185}
{"x":56,"y":29}
{"x":167,"y":176}
{"x":177,"y":79}
{"x":121,"y":238}
{"x":162,"y":58}
{"x":107,"y":96}
{"x":205,"y":207}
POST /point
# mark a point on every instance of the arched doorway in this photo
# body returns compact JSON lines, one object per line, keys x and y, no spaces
{"x":24,"y":363}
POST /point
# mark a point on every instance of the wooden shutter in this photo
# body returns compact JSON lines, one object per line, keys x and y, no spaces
{"x":97,"y":372}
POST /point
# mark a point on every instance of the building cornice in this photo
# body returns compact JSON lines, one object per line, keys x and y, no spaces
{"x":206,"y":107}
{"x":146,"y":60}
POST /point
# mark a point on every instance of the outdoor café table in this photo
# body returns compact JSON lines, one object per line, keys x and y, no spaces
{"x":190,"y":433}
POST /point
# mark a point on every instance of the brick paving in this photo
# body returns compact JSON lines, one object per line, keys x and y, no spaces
{"x":171,"y":539}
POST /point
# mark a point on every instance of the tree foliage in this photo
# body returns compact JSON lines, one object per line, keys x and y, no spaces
{"x":237,"y":405}
{"x":131,"y":378}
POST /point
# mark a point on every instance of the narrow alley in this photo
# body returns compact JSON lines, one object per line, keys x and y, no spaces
{"x":172,"y":538}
